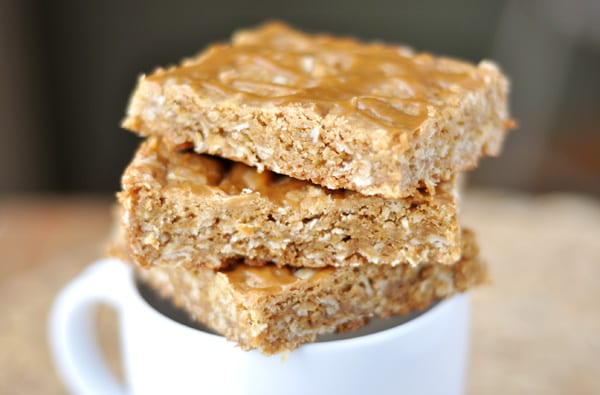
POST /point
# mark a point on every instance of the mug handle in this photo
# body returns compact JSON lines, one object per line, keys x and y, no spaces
{"x":72,"y":334}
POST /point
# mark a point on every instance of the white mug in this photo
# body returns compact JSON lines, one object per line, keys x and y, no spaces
{"x":425,"y":355}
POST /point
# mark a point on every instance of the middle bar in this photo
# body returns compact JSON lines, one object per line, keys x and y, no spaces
{"x":191,"y":210}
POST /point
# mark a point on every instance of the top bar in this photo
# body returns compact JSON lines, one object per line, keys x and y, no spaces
{"x":370,"y":117}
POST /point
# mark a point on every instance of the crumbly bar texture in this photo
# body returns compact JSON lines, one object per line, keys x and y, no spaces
{"x":186,"y":209}
{"x":374,"y":118}
{"x":276,"y":309}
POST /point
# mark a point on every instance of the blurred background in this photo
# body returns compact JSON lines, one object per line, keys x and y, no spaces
{"x":67,"y":68}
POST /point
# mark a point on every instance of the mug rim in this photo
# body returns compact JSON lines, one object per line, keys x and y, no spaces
{"x":383,"y":335}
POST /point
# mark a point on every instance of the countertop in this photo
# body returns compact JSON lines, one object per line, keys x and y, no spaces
{"x":535,"y":328}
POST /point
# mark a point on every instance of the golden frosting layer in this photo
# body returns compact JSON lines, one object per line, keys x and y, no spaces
{"x":387,"y":85}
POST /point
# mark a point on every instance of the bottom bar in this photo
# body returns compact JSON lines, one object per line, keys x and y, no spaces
{"x":277,"y":309}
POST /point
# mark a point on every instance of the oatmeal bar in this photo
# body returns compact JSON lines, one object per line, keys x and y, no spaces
{"x":182,"y":208}
{"x":277,"y":309}
{"x":370,"y":117}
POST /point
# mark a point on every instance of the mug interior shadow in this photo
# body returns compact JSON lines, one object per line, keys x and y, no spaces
{"x":165,"y":307}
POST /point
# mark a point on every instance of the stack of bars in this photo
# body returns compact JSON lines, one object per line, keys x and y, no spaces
{"x":293,"y":185}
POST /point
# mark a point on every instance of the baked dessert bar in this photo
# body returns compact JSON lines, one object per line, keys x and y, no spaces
{"x":277,"y":309}
{"x":374,"y":118}
{"x":186,"y":209}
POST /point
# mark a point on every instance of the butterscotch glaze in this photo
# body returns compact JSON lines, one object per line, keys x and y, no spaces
{"x":204,"y":175}
{"x":271,"y":277}
{"x":273,"y":65}
{"x":241,"y":177}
